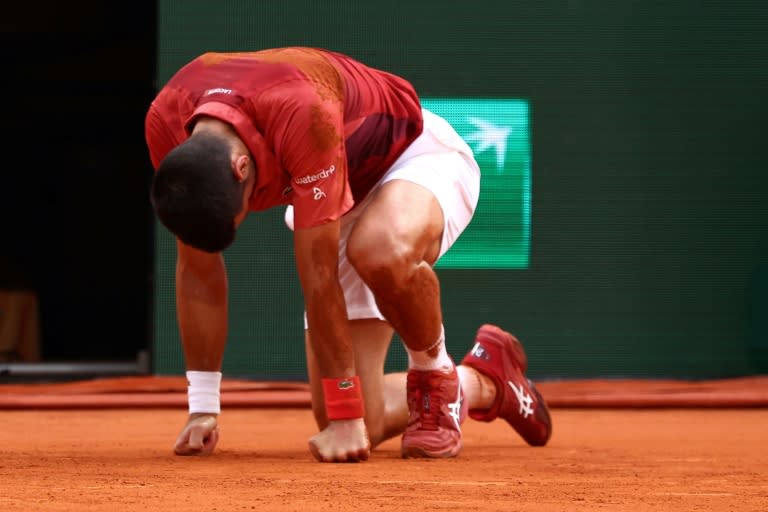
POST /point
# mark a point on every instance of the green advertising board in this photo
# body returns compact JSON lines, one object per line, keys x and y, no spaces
{"x":497,"y":131}
{"x":623,"y":216}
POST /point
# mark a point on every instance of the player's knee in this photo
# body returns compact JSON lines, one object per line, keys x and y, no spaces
{"x":380,"y":259}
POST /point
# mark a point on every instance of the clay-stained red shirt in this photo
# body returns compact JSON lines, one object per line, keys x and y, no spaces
{"x":322,"y":127}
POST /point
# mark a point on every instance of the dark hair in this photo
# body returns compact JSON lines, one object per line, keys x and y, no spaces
{"x":195,"y":194}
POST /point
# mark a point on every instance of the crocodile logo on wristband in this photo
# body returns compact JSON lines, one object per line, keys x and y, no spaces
{"x":346,"y":384}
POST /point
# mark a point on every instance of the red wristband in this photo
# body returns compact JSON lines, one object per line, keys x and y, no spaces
{"x":343,"y":398}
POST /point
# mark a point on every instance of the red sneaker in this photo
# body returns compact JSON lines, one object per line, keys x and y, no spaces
{"x":500,"y":356}
{"x":437,"y":409}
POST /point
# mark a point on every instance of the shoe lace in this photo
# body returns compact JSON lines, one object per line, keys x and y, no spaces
{"x":425,"y":388}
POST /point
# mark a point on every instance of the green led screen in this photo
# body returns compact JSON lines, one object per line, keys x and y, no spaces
{"x":498,"y":133}
{"x":622,"y":231}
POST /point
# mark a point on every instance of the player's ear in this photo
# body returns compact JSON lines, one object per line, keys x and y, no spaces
{"x":240,"y":167}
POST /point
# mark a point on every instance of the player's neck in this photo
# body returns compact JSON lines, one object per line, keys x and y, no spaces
{"x":212,"y":125}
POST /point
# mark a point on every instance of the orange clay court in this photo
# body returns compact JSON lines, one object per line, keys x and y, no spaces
{"x":617,"y":445}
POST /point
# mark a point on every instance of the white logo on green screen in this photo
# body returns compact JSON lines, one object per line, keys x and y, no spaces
{"x":498,"y":132}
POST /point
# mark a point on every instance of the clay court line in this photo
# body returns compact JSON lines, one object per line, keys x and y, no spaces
{"x":694,"y":494}
{"x":472,"y":483}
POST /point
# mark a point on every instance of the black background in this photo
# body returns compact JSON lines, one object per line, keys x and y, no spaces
{"x":77,"y":223}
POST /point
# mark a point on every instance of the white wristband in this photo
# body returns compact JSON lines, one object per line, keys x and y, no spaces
{"x":203,"y":392}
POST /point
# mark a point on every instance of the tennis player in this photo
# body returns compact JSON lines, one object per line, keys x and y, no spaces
{"x":378,"y":190}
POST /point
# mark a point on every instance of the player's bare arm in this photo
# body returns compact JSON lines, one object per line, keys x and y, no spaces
{"x":345,"y":438}
{"x":201,"y":299}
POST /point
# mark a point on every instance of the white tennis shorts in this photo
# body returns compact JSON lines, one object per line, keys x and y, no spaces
{"x":438,"y":160}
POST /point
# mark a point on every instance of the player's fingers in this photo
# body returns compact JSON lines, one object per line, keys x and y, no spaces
{"x":345,"y":457}
{"x":209,"y":431}
{"x":336,"y":454}
{"x":196,"y":438}
{"x":325,"y":447}
{"x":349,"y":456}
{"x":315,"y":451}
{"x":184,"y":450}
{"x":199,"y":431}
{"x":209,"y":443}
{"x":181,"y":447}
{"x":322,"y":456}
{"x":186,"y":445}
{"x":199,"y":437}
{"x":358,"y":455}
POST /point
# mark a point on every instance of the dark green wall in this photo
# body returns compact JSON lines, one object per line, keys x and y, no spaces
{"x":649,"y":240}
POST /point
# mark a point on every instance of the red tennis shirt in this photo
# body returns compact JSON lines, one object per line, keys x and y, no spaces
{"x":322,"y":127}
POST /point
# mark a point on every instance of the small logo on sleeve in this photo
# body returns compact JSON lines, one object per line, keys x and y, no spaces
{"x":319,"y":194}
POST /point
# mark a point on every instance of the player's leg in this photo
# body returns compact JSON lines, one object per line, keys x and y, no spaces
{"x":492,"y":375}
{"x":498,"y":356}
{"x":385,"y":411}
{"x":392,"y":247}
{"x":443,"y":165}
{"x":386,"y":407}
{"x":412,"y":217}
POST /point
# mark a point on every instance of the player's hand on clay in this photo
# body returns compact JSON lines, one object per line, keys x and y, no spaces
{"x":199,"y":436}
{"x":341,"y":441}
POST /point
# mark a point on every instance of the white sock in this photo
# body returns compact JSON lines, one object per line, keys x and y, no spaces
{"x":421,"y":360}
